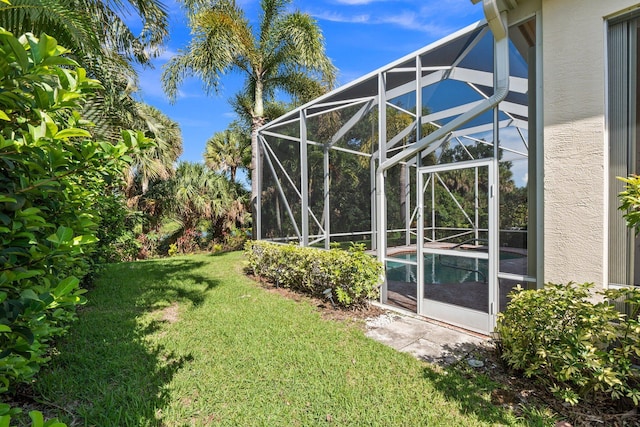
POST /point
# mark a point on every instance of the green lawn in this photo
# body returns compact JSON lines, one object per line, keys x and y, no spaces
{"x":190,"y":341}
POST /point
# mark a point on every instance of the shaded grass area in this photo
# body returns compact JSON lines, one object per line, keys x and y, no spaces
{"x":191,"y":341}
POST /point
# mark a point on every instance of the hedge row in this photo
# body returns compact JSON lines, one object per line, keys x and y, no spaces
{"x":353,"y":276}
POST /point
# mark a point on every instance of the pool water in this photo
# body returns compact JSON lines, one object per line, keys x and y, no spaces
{"x":442,"y":268}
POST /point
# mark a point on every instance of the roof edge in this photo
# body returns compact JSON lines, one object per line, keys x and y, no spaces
{"x":437,"y":43}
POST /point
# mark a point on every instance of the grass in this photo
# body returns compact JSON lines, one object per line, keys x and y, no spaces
{"x":191,"y":341}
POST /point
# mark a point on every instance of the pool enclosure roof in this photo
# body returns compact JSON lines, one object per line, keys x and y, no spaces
{"x":465,"y":56}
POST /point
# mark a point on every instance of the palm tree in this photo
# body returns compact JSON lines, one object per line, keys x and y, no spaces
{"x":198,"y":193}
{"x":227,"y":151}
{"x":286,"y":52}
{"x":158,"y":161}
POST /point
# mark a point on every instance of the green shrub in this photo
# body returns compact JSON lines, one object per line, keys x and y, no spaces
{"x":173,"y":249}
{"x":52,"y":176}
{"x":37,"y":419}
{"x":149,"y":245}
{"x":234,"y":240}
{"x":353,"y":276}
{"x":575,"y":346}
{"x":189,"y":241}
{"x":630,"y":201}
{"x":116,"y":240}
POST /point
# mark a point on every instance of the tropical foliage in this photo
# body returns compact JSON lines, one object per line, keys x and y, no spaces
{"x":75,"y":22}
{"x":228,"y":151}
{"x":110,"y":56}
{"x":200,"y":193}
{"x":100,"y":37}
{"x":630,"y":201}
{"x":577,"y":348}
{"x":200,"y":200}
{"x":158,"y":161}
{"x":54,"y":174}
{"x":64,"y":157}
{"x":284,"y":52}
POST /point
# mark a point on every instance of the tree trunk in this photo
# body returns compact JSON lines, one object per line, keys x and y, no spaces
{"x":254,"y":180}
{"x":256,"y":156}
{"x":257,"y":159}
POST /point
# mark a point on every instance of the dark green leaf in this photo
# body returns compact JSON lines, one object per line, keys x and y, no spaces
{"x":19,"y":51}
{"x":65,"y":286}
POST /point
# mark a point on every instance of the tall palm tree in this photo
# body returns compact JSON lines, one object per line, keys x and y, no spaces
{"x":285,"y":52}
{"x":227,"y":151}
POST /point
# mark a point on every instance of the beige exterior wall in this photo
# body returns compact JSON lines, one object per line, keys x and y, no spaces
{"x":575,"y":143}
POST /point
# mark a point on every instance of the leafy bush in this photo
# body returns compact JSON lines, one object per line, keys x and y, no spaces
{"x":173,"y":249}
{"x":234,"y":240}
{"x":630,"y":201}
{"x":229,"y":241}
{"x":52,"y":175}
{"x":148,"y":245}
{"x":37,"y":419}
{"x":116,"y":240}
{"x":574,"y":346}
{"x":353,"y":276}
{"x":189,"y":241}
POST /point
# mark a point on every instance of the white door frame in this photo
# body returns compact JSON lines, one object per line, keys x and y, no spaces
{"x":460,"y":316}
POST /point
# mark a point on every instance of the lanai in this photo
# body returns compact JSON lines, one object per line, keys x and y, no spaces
{"x":425,"y":170}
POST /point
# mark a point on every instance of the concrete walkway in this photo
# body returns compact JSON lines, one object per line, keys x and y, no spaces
{"x":425,"y":340}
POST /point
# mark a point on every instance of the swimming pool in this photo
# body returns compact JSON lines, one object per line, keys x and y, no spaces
{"x":442,"y":268}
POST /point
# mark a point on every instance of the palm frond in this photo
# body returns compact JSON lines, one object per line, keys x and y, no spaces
{"x":67,"y":24}
{"x":221,"y":41}
{"x":271,"y":12}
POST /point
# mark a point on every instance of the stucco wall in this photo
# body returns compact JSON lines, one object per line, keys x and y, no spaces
{"x":575,"y":146}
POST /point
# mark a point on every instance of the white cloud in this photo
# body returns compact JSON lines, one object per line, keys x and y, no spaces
{"x":357,"y":2}
{"x":413,"y":21}
{"x":432,"y":19}
{"x":337,"y":17}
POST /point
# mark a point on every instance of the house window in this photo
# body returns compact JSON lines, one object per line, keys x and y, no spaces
{"x":624,"y":146}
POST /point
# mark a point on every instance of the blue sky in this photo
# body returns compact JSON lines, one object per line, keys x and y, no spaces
{"x":360,"y":36}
